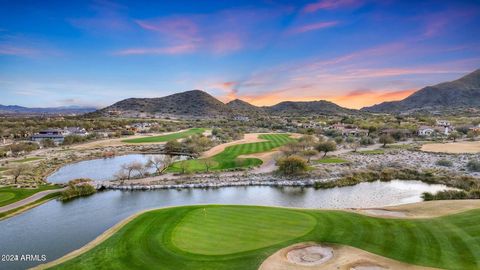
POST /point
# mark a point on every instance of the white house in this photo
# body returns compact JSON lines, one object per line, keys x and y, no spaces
{"x":425,"y":131}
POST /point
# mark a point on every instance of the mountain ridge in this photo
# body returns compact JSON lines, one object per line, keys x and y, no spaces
{"x":461,"y":93}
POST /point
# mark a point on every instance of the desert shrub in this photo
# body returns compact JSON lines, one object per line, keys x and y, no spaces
{"x":444,"y":162}
{"x":366,"y":140}
{"x":292,"y":165}
{"x":473,"y":165}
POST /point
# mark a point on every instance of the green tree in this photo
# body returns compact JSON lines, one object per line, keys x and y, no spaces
{"x":454,"y":135}
{"x":292,"y":165}
{"x":326,"y":147}
{"x":386,"y":139}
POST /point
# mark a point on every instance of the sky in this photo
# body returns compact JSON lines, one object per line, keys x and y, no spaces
{"x":355,"y":53}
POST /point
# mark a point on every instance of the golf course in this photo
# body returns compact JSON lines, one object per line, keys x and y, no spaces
{"x":229,"y":158}
{"x":10,"y":195}
{"x":167,"y":137}
{"x":242,"y":237}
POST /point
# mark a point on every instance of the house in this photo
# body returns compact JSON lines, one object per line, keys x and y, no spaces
{"x":75,"y":131}
{"x":425,"y":131}
{"x":445,"y":130}
{"x":142,"y":127}
{"x":475,"y":128}
{"x":56,"y":135}
{"x":443,"y":123}
{"x":348,"y":130}
{"x":241,"y":118}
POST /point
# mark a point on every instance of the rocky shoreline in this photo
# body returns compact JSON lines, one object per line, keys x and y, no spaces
{"x":211,"y":182}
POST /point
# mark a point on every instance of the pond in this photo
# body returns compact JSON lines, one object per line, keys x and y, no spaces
{"x":98,"y":169}
{"x":55,"y":228}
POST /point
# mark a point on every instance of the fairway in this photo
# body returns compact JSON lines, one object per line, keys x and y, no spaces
{"x":229,"y":158}
{"x":168,"y":137}
{"x":242,"y":237}
{"x":10,"y":195}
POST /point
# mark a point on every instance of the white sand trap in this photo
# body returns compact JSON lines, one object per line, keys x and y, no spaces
{"x":310,"y":255}
{"x":383,"y":213}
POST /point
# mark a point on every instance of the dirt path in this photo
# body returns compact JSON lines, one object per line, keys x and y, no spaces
{"x":453,"y":148}
{"x":31,"y":199}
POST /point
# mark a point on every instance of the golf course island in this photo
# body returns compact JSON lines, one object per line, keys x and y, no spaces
{"x":256,"y":237}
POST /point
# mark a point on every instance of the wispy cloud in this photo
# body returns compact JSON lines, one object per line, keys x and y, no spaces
{"x":172,"y":50}
{"x":312,"y":27}
{"x":331,"y":4}
{"x":222,"y":32}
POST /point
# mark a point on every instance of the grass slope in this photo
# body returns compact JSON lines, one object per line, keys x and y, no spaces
{"x":10,"y":195}
{"x":166,"y":138}
{"x":241,"y":237}
{"x":228,"y":158}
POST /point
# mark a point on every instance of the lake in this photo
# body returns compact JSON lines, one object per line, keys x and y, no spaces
{"x":55,"y":228}
{"x":102,"y":169}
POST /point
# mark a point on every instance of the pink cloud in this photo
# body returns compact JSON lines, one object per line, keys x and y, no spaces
{"x":12,"y":50}
{"x":312,"y":27}
{"x":226,"y":43}
{"x":331,"y":4}
{"x":172,"y":50}
{"x":180,"y":27}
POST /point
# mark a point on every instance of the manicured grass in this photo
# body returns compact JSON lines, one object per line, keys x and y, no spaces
{"x":228,"y":158}
{"x":241,"y":237}
{"x":166,"y":138}
{"x":18,"y":210}
{"x":10,"y":195}
{"x":26,"y":159}
{"x":330,"y":160}
{"x":371,"y":152}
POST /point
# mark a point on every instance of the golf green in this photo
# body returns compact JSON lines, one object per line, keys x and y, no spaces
{"x":228,"y":158}
{"x":168,"y":137}
{"x":242,"y":237}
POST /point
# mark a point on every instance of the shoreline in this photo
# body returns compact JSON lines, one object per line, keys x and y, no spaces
{"x":118,"y":226}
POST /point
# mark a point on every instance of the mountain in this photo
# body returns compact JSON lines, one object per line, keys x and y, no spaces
{"x":194,"y":103}
{"x":245,"y":108}
{"x":303,"y":108}
{"x":463,"y":93}
{"x":199,"y":104}
{"x":65,"y":110}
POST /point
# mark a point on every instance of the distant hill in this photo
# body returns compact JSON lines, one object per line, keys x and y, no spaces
{"x":194,"y":103}
{"x":244,"y":108}
{"x":301,"y":108}
{"x":199,"y":104}
{"x":463,"y":93}
{"x":65,"y":110}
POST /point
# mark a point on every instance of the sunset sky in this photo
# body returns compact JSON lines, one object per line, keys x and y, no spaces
{"x":352,"y":52}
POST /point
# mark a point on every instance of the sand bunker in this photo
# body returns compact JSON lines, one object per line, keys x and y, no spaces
{"x":314,"y":256}
{"x":453,"y":148}
{"x":310,"y":255}
{"x":383,"y":213}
